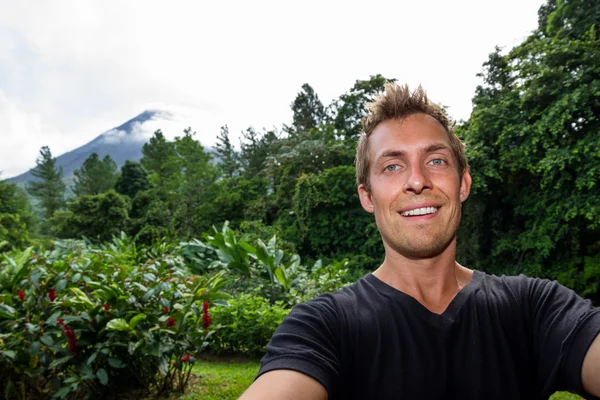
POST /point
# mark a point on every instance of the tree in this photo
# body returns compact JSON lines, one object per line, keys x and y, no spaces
{"x":156,"y":156}
{"x":228,"y":157}
{"x":195,"y":184}
{"x":95,"y":216}
{"x":95,"y":176}
{"x":49,"y":187}
{"x":533,"y":142}
{"x":329,"y":219}
{"x":133,"y":179}
{"x":308,"y":110}
{"x":255,"y":149}
{"x":16,"y":217}
{"x":349,"y":109}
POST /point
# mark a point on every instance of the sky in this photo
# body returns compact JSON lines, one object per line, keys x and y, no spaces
{"x":71,"y":70}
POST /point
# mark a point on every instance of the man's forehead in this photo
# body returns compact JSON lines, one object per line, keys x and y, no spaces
{"x":409,"y":135}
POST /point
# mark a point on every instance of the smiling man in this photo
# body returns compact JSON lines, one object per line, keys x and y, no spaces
{"x":421,"y":326}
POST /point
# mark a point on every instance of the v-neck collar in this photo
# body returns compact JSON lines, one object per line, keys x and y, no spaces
{"x":451,"y":312}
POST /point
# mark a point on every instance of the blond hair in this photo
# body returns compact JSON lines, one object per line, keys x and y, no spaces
{"x":398,"y":102}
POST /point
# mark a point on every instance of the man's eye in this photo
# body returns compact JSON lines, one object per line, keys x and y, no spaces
{"x":438,"y":161}
{"x":392,"y":167}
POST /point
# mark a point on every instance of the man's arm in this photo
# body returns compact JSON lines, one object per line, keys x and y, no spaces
{"x":285,"y":385}
{"x":590,"y":373}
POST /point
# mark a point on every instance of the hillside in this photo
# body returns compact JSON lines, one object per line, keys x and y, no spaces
{"x":120,"y":143}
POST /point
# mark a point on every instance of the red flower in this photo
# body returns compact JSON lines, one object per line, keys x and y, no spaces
{"x":170,"y":322}
{"x":22,"y":295}
{"x":106,"y":314}
{"x":106,"y":306}
{"x":185,"y":358}
{"x":52,"y":294}
{"x":70,"y":334}
{"x":205,"y":316}
{"x":165,"y":309}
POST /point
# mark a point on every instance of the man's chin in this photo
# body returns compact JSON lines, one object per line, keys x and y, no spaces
{"x":419,"y":251}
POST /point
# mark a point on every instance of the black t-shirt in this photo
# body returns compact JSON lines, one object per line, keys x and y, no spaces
{"x":500,"y":338}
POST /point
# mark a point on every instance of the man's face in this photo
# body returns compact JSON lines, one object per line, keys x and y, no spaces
{"x":416,"y":191}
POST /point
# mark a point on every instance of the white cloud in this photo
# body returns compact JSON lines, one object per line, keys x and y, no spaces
{"x":81,"y":67}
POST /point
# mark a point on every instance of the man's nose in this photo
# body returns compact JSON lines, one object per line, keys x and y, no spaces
{"x":417,"y":181}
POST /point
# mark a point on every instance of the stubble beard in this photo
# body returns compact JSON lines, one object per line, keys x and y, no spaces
{"x":424,"y":241}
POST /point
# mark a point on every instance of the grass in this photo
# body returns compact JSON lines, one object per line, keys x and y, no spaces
{"x":221,"y":380}
{"x":227,"y":380}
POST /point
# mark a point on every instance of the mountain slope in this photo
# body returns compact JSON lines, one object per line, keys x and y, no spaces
{"x":121,"y":143}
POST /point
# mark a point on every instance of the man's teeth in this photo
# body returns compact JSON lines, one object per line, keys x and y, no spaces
{"x":420,"y":211}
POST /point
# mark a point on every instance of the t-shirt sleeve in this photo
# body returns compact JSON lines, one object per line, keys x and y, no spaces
{"x":306,"y":341}
{"x":564,"y":325}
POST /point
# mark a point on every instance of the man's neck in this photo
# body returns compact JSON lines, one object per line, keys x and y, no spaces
{"x":433,"y":282}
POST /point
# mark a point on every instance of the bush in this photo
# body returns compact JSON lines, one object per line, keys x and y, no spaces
{"x":75,"y":323}
{"x":264,"y":269}
{"x":246,"y":324}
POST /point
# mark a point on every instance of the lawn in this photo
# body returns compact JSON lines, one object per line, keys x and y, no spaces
{"x":221,"y":380}
{"x":227,"y":380}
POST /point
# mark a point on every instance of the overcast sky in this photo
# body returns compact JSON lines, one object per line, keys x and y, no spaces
{"x":70,"y":70}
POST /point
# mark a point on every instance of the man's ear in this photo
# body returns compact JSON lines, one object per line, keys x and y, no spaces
{"x":365,"y":198}
{"x":465,"y":186}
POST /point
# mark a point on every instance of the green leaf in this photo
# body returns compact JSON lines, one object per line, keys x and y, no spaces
{"x":116,"y":363}
{"x":136,"y":320}
{"x":148,"y":294}
{"x":9,"y":354}
{"x":59,"y":361}
{"x":149,"y":277}
{"x":133,"y":347}
{"x":61,"y":285}
{"x":47,"y":340}
{"x":103,"y":376}
{"x":7,"y":312}
{"x":163,"y":365}
{"x":118,"y":324}
{"x":53,"y":317}
{"x":76,"y":277}
{"x":63,"y":392}
{"x":91,"y":359}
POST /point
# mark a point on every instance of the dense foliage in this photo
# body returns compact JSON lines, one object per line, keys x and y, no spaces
{"x":533,"y":145}
{"x":202,"y":225}
{"x":82,"y":320}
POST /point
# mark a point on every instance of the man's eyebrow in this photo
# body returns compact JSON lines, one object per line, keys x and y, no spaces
{"x":429,"y":149}
{"x":436,"y":147}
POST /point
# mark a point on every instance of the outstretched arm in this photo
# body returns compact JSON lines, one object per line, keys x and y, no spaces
{"x":285,"y":385}
{"x":590,"y":373}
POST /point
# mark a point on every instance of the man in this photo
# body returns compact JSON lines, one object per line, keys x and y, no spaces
{"x":422,"y":326}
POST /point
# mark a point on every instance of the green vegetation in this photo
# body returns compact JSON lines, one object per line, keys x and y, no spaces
{"x":127,"y":265}
{"x":221,"y":380}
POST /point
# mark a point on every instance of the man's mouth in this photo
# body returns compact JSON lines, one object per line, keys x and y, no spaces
{"x":420,"y":211}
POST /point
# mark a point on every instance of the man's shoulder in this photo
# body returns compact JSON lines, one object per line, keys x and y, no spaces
{"x":520,"y":283}
{"x":346,"y":300}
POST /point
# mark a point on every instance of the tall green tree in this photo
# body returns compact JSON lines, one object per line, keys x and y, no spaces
{"x":348,"y":110}
{"x":48,"y":187}
{"x":158,"y":156}
{"x":133,"y":179}
{"x":16,"y":216}
{"x":255,"y":149}
{"x":97,"y":217}
{"x":195,"y":184}
{"x":228,"y":157}
{"x":308,"y":111}
{"x":95,"y":176}
{"x":533,"y":141}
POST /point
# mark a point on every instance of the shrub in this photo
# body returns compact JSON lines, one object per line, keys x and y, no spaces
{"x":246,"y":324}
{"x":75,"y":323}
{"x":264,"y":269}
